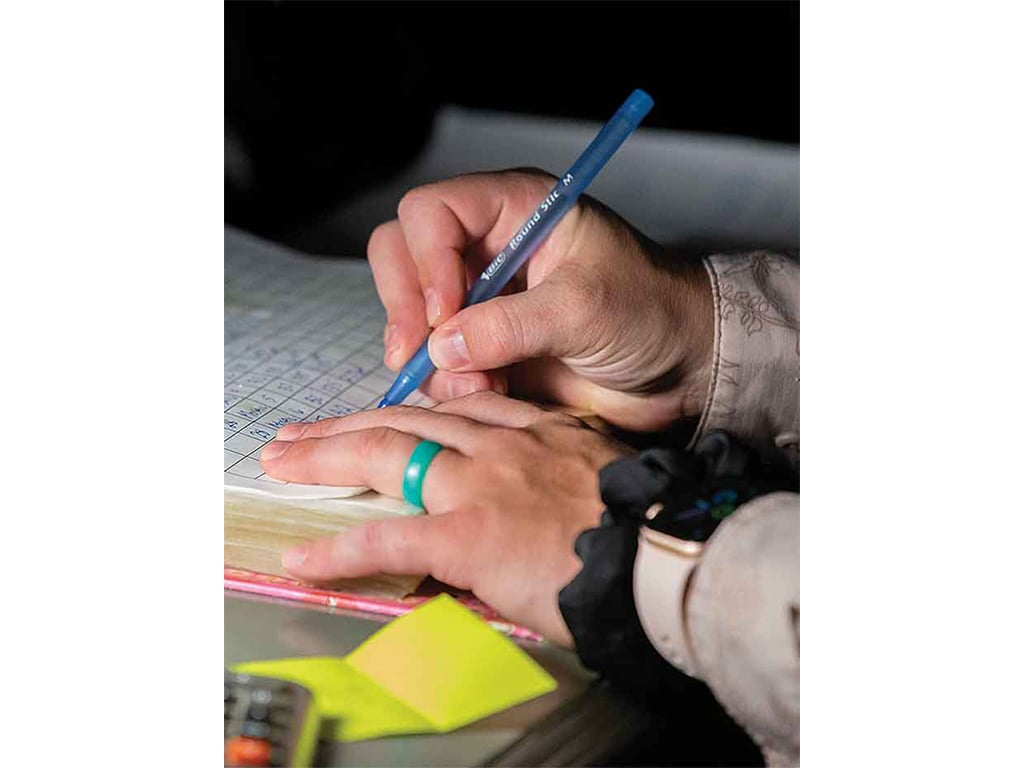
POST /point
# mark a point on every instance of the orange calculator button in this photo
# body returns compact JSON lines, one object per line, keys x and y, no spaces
{"x":241,"y":750}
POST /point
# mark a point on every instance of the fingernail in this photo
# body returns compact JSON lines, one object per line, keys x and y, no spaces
{"x":448,"y":348}
{"x":392,"y":343}
{"x":273,"y":450}
{"x":461,"y":387}
{"x":290,"y":431}
{"x":294,"y":558}
{"x":433,"y":305}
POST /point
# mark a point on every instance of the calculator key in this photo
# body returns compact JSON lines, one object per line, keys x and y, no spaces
{"x":261,"y":696}
{"x":255,"y":729}
{"x":258,"y":712}
{"x":243,"y":751}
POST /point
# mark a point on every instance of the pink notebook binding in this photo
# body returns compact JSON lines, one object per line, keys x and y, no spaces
{"x":288,"y":589}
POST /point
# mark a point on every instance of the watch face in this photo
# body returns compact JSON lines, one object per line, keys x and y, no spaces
{"x":698,"y":520}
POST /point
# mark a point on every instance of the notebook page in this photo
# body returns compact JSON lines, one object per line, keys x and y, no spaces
{"x":302,"y":342}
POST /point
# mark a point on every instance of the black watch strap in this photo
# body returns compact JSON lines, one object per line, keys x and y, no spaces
{"x":697,"y":490}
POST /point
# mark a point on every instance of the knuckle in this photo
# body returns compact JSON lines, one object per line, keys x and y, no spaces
{"x":543,"y":437}
{"x":522,"y":439}
{"x":320,"y":428}
{"x":374,"y":443}
{"x":531,"y":178}
{"x":378,"y":247}
{"x":411,"y":201}
{"x":301,"y":451}
{"x":561,"y":419}
{"x":378,"y":237}
{"x":454,"y":563}
{"x":372,"y":538}
{"x":504,"y":329}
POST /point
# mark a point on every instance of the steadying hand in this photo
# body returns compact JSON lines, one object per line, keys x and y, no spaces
{"x":506,"y":498}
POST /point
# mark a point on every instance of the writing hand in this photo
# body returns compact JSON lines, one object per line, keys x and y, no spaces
{"x":596,"y":320}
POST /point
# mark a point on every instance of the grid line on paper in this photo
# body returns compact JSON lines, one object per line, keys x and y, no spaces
{"x":298,"y":389}
{"x":293,"y":327}
{"x":337,"y":397}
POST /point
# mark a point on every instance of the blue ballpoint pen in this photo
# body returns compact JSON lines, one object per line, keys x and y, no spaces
{"x":534,"y":230}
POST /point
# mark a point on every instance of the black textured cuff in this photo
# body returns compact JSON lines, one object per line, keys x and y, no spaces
{"x":697,"y":491}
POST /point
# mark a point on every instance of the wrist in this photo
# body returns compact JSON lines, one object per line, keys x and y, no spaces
{"x":693,"y":309}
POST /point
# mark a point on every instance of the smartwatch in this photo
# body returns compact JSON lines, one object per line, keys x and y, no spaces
{"x":662,"y":507}
{"x":669,"y":547}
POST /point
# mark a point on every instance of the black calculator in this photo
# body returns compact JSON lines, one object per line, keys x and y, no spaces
{"x":268,"y":722}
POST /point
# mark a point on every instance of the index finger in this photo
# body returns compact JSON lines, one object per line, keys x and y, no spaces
{"x":440,"y":220}
{"x":398,"y":286}
{"x":376,"y":457}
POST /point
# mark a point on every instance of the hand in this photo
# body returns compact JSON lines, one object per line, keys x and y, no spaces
{"x":600,"y":319}
{"x":505,"y":499}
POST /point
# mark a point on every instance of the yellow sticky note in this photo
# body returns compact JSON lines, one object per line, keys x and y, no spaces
{"x":448,"y":664}
{"x":435,"y":669}
{"x":358,"y":707}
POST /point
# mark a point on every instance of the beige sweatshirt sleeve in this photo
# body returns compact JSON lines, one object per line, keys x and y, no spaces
{"x":740,"y":604}
{"x":755,"y":374}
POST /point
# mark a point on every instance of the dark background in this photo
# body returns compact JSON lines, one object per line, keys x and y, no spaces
{"x":324,"y":99}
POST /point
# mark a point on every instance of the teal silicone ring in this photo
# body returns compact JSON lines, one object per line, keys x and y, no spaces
{"x":416,"y":470}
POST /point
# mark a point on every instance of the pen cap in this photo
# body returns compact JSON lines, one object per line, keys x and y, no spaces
{"x":611,"y":137}
{"x":638,"y":103}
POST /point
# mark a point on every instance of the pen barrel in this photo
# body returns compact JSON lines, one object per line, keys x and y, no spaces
{"x":563,"y":197}
{"x":522,"y":246}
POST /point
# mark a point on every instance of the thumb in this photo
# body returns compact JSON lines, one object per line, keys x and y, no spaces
{"x":539,"y":322}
